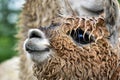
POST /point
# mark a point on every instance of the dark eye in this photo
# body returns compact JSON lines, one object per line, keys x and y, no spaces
{"x":81,"y":38}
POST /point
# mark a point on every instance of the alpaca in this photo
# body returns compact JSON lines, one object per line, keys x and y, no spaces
{"x":77,"y":48}
{"x":35,"y":14}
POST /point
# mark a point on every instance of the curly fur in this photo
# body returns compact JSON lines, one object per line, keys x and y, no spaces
{"x":97,"y":61}
{"x":86,"y":62}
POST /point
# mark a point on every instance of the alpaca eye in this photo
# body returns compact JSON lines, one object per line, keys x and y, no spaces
{"x":81,"y":38}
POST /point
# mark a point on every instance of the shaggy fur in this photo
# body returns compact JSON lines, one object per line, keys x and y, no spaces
{"x":97,"y":60}
{"x":35,"y":14}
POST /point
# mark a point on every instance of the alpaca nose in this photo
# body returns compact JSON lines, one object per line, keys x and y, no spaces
{"x":36,"y":33}
{"x":36,"y":42}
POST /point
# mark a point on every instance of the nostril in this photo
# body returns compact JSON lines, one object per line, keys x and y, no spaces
{"x":27,"y":47}
{"x":35,"y":34}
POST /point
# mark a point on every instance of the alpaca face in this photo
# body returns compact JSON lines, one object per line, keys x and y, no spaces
{"x":37,"y":44}
{"x":82,"y":34}
{"x":75,"y":49}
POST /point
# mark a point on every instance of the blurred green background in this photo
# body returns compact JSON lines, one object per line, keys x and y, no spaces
{"x":9,"y":11}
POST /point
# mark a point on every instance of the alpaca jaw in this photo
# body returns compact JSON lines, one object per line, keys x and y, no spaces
{"x":37,"y":46}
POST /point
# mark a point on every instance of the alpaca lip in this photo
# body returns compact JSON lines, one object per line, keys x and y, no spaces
{"x":37,"y":51}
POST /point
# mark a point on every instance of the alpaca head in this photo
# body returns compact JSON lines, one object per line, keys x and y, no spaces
{"x":76,"y":43}
{"x":76,"y":48}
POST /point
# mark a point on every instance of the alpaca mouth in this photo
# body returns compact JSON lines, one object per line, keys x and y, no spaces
{"x":37,"y":51}
{"x":81,"y":37}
